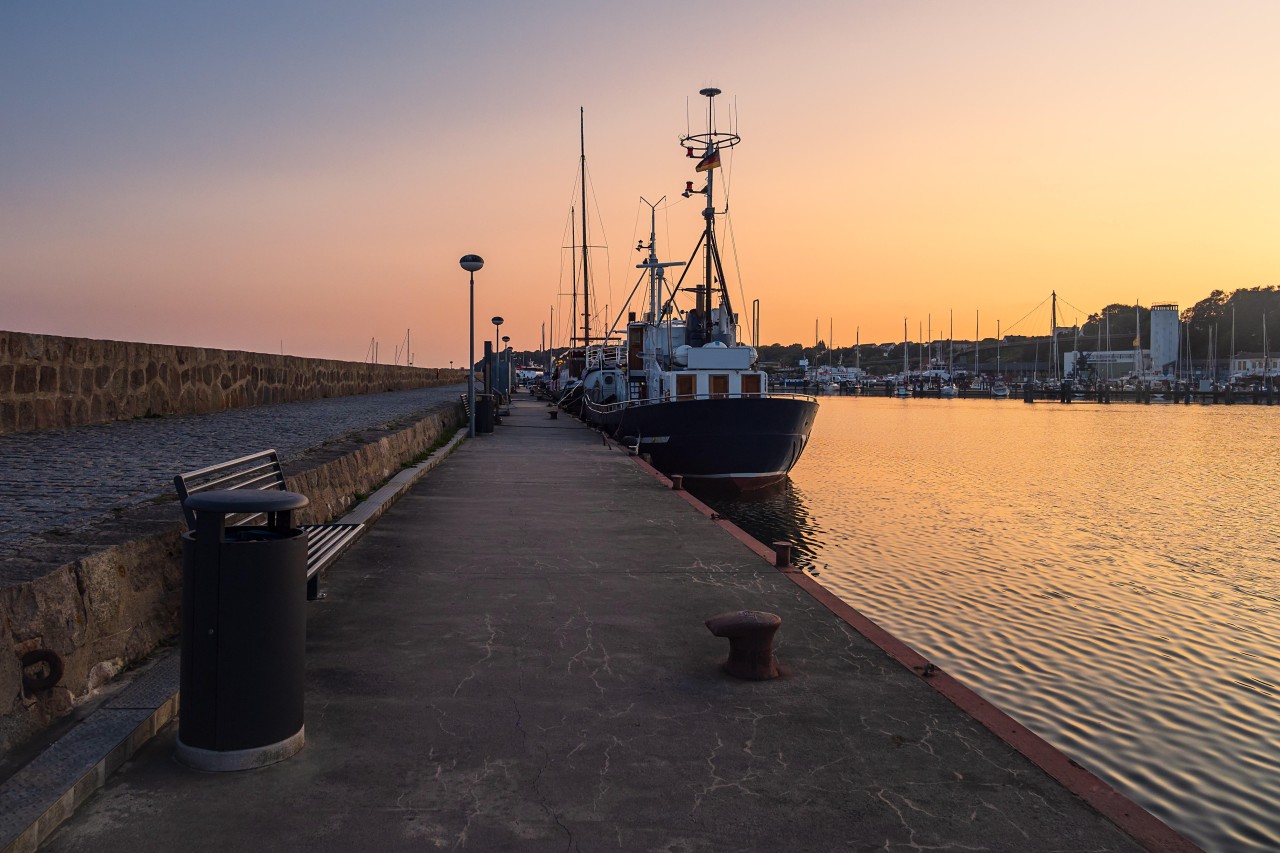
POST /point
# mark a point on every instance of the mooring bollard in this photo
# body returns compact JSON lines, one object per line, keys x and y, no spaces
{"x":677,"y":483}
{"x":554,"y":414}
{"x":782,"y":554}
{"x":750,"y":634}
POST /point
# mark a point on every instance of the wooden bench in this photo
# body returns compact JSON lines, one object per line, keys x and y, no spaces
{"x":325,"y":542}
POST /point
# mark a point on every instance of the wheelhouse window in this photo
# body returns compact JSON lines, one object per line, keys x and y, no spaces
{"x":686,"y":385}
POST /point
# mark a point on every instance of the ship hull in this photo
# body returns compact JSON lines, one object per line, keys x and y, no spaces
{"x":739,"y":442}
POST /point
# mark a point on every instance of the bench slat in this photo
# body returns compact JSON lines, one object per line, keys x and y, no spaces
{"x":262,"y":472}
{"x":326,"y":541}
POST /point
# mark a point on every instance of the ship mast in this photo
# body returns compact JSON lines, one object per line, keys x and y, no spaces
{"x":709,"y":212}
{"x":655,"y":267}
{"x":707,"y":146}
{"x":586,"y":290}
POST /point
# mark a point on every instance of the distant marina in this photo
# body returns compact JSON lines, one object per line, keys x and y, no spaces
{"x":1254,"y":393}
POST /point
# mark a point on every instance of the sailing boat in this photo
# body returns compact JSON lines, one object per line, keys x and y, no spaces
{"x":682,"y":389}
{"x":902,"y":390}
{"x":567,"y":374}
{"x":950,"y":391}
{"x":999,"y":390}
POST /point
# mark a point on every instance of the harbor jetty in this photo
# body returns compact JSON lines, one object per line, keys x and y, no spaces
{"x":516,"y":657}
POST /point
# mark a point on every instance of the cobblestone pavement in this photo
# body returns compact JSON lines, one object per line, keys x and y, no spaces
{"x":61,"y":479}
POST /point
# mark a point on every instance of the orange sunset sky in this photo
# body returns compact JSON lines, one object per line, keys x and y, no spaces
{"x":305,"y":175}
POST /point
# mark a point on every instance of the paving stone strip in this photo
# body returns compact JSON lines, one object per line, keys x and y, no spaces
{"x":60,"y":480}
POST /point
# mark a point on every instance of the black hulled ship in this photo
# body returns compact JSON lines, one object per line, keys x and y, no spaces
{"x":682,"y":388}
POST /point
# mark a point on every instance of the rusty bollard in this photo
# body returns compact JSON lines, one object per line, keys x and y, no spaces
{"x":677,"y":483}
{"x":750,"y":634}
{"x":782,"y":554}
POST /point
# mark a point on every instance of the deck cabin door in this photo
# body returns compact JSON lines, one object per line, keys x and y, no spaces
{"x":635,"y":348}
{"x":719,"y":385}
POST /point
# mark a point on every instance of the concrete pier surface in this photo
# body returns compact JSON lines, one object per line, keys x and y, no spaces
{"x":515,"y":658}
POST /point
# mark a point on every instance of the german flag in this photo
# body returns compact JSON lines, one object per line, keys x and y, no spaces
{"x":711,"y":161}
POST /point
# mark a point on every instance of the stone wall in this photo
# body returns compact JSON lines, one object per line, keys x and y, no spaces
{"x":110,"y":606}
{"x":49,"y":382}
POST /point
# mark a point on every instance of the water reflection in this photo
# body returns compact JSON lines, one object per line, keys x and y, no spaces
{"x":775,"y":513}
{"x":1107,"y":574}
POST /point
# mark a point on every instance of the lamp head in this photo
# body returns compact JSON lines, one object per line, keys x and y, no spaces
{"x":471,"y":263}
{"x":497,"y":321}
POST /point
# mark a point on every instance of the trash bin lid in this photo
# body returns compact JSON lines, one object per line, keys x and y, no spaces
{"x":245,"y":500}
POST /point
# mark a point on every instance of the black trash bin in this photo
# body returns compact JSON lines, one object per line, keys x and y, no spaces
{"x":244,"y":632}
{"x":484,"y":413}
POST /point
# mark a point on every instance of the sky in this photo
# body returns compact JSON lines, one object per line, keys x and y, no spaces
{"x":304,"y":176}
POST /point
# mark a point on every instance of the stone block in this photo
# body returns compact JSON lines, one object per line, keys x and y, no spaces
{"x":26,"y":379}
{"x":26,"y":418}
{"x":69,"y":379}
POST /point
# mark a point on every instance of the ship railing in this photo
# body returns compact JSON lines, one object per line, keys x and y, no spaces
{"x":601,"y":356}
{"x":606,"y":408}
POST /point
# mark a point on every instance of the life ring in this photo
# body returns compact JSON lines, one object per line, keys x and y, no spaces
{"x":36,"y":683}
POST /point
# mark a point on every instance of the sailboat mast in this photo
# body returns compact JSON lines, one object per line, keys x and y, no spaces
{"x":1053,"y":333}
{"x":586,"y":289}
{"x":976,"y":341}
{"x":1137,"y":341}
{"x":951,"y":345}
{"x":573,"y":276}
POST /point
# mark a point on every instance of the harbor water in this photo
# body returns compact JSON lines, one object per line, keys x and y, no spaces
{"x":1108,"y":575}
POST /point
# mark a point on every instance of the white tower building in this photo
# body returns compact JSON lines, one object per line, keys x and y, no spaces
{"x":1165,"y":336}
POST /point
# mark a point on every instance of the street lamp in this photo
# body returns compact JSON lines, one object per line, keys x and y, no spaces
{"x":505,"y":361}
{"x":493,"y":369}
{"x":471,"y":263}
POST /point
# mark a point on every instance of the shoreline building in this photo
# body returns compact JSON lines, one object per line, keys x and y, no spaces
{"x":1252,"y":364}
{"x":1110,"y":364}
{"x":1166,"y":334}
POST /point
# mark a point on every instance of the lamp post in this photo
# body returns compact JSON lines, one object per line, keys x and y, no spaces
{"x":471,"y":263}
{"x":493,"y":371}
{"x":505,"y":360}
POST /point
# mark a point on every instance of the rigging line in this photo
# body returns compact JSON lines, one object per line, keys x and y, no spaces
{"x":573,"y":190}
{"x":608,"y":259}
{"x":1069,"y":305}
{"x":733,"y":246}
{"x":1028,"y":314}
{"x":728,"y":180}
{"x":635,"y":229}
{"x":666,"y":225}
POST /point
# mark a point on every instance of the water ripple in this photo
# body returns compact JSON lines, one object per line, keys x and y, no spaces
{"x":1106,"y":574}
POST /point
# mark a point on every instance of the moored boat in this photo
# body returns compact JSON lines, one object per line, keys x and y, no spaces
{"x":683,"y":389}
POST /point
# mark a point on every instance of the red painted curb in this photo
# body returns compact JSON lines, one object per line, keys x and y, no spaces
{"x":1144,"y":827}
